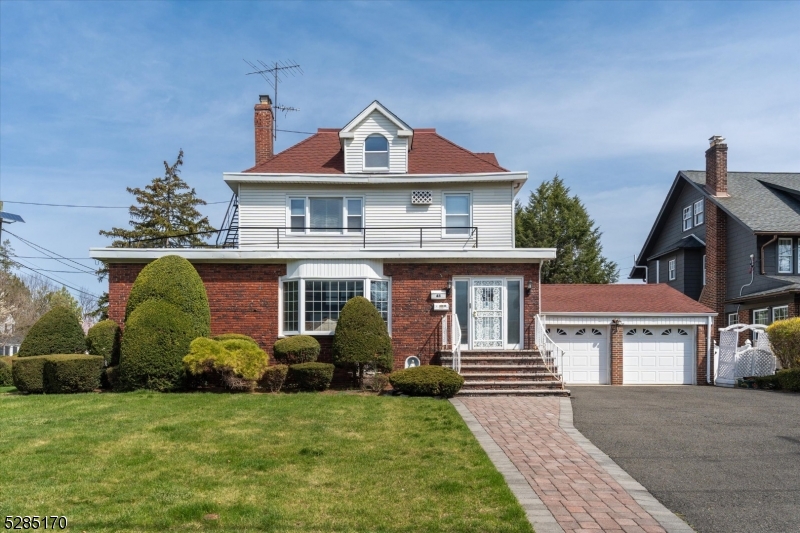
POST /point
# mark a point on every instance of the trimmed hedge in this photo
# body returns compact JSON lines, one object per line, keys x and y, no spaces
{"x":310,"y":376}
{"x":157,"y":337}
{"x":233,"y":336}
{"x":428,"y":380}
{"x":296,"y":349}
{"x":28,"y":373}
{"x":56,"y":332}
{"x":173,"y":279}
{"x":788,"y":380}
{"x":237,"y":362}
{"x":273,"y":378}
{"x":6,"y":379}
{"x":104,"y":339}
{"x":72,"y":373}
{"x":361,"y":338}
{"x":784,"y":336}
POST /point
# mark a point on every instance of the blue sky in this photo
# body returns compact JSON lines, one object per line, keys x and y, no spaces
{"x":616,"y":97}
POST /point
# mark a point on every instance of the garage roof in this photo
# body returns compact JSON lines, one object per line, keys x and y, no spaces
{"x":651,"y":298}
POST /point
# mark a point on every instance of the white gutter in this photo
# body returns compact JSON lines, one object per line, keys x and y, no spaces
{"x":618,"y":314}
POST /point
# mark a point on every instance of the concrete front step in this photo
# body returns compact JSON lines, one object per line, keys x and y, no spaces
{"x":499,"y":384}
{"x":480,"y":360}
{"x":470,"y":375}
{"x":513,"y":392}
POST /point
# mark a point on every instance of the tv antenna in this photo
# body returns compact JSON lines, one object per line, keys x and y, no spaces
{"x":274,"y":73}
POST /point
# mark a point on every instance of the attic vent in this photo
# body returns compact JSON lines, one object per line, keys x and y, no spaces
{"x":421,"y":197}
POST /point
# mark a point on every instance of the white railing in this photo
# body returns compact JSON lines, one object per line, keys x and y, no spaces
{"x":552,"y":355}
{"x":452,"y":342}
{"x":732,"y":362}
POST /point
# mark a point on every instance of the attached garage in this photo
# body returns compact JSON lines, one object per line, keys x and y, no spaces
{"x":627,"y":334}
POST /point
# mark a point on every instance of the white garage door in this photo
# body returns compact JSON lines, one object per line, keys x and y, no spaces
{"x":658,"y":355}
{"x":585,"y":353}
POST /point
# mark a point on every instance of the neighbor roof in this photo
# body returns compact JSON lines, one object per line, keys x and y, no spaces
{"x":653,"y":298}
{"x":430,"y":154}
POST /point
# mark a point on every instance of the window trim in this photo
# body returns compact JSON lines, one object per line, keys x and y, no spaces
{"x":307,"y":204}
{"x":735,"y":317}
{"x":301,"y":303}
{"x":672,"y":267}
{"x":445,"y":194}
{"x":778,"y":255}
{"x":687,"y":220}
{"x":388,"y":153}
{"x":763,"y":309}
{"x":780,"y":307}
{"x":700,"y":213}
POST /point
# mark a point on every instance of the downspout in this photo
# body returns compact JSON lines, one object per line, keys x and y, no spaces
{"x":773,"y":239}
{"x":646,"y":275}
{"x":752,"y":277}
{"x":709,"y":351}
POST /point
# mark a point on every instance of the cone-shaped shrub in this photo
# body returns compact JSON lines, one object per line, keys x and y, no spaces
{"x":103,"y":339}
{"x":361,"y":339}
{"x":157,"y":337}
{"x":296,"y":349}
{"x":174,"y":280}
{"x":58,"y":331}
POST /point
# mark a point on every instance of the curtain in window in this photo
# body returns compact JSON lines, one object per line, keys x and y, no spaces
{"x":326,"y":214}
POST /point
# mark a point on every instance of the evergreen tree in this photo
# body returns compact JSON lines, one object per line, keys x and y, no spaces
{"x":553,"y":219}
{"x":166,"y":214}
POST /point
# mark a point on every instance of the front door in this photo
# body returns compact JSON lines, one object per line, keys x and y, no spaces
{"x":487,"y":314}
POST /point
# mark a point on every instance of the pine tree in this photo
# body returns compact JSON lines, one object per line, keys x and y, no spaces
{"x":166,"y":214}
{"x":553,"y":219}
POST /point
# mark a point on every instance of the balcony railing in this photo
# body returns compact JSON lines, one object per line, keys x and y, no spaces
{"x":287,"y":237}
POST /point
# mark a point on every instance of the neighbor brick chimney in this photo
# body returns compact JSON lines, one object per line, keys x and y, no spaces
{"x":717,"y":166}
{"x":263,"y":126}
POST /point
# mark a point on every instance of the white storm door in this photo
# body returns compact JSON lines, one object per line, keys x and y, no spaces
{"x":487,"y":314}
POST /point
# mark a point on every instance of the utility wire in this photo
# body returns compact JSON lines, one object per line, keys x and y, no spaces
{"x":94,"y":206}
{"x":48,"y":257}
{"x":55,"y":280}
{"x":54,"y":255}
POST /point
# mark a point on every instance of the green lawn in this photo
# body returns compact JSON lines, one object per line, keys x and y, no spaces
{"x":300,"y":462}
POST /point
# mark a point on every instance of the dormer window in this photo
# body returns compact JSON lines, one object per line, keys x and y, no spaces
{"x":376,"y":152}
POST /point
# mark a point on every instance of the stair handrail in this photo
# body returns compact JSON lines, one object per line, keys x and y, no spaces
{"x":455,"y":339}
{"x":552,"y":354}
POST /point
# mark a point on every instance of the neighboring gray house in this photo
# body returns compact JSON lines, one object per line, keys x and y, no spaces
{"x":730,"y":240}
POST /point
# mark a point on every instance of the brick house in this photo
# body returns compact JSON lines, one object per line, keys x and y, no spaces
{"x":730,"y":240}
{"x":423,"y":228}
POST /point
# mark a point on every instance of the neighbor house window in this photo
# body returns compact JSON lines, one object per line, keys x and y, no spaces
{"x":698,"y":212}
{"x":785,"y":256}
{"x":704,"y":269}
{"x":376,"y":152}
{"x":761,"y":316}
{"x":326,"y":215}
{"x":291,"y":306}
{"x":671,"y":269}
{"x":457,"y":219}
{"x":780,"y":313}
{"x":687,"y":218}
{"x":733,"y":318}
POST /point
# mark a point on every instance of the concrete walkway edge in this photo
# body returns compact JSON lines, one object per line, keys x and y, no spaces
{"x":537,"y":512}
{"x":668,"y":520}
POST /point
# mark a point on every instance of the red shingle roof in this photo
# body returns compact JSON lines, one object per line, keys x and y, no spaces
{"x":646,"y":298}
{"x":430,"y":154}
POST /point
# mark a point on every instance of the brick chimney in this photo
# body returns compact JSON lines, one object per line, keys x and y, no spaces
{"x":263,"y":126}
{"x":717,"y":166}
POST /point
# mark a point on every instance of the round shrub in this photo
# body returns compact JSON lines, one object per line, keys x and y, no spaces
{"x":428,"y":380}
{"x":28,"y":373}
{"x":297,"y":349}
{"x":174,"y":280}
{"x":236,"y":362}
{"x":57,"y":331}
{"x":72,"y":373}
{"x":310,"y":376}
{"x":784,"y":336}
{"x":6,"y":380}
{"x":361,"y":339}
{"x":157,"y":337}
{"x":103,"y":339}
{"x":273,"y":378}
{"x":234,"y":336}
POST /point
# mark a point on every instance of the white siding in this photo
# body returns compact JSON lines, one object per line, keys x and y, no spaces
{"x":335,"y":269}
{"x":376,"y":122}
{"x":384,"y":207}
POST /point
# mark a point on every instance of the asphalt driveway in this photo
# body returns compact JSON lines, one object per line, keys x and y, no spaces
{"x":725,"y":460}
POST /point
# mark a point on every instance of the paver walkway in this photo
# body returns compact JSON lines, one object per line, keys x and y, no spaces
{"x":579,"y":492}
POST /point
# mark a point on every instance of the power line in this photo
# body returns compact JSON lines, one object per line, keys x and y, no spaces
{"x":292,"y":131}
{"x":45,"y":251}
{"x":97,"y":206}
{"x":55,"y":280}
{"x":48,"y":257}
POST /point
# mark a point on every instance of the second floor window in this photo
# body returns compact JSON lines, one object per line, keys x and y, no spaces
{"x":671,"y":269}
{"x":329,"y":215}
{"x":457,"y":219}
{"x":687,"y":218}
{"x":376,"y":152}
{"x":785,"y":256}
{"x":698,"y":212}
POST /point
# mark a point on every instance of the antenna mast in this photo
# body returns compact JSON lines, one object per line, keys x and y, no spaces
{"x":274,"y":73}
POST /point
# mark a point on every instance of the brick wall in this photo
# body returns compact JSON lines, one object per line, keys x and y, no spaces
{"x":416,"y":328}
{"x":713,"y":294}
{"x":701,"y":343}
{"x":616,"y":353}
